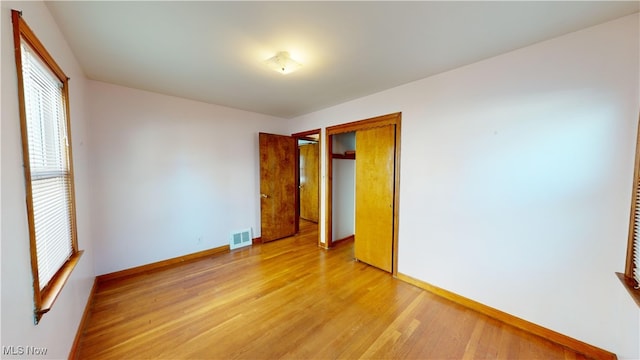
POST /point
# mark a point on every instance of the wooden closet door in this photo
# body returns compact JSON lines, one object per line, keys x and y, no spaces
{"x":309,"y":189}
{"x":375,"y":154}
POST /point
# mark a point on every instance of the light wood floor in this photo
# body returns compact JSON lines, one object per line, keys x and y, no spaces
{"x":291,"y":299}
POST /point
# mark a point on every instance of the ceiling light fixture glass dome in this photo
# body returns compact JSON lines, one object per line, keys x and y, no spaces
{"x":283,"y":63}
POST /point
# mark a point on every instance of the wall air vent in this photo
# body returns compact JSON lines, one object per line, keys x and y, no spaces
{"x":240,"y":239}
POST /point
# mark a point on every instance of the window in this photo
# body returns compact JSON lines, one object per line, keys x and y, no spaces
{"x":631,"y":276}
{"x":46,"y":143}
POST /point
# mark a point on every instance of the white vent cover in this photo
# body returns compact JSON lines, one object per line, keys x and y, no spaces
{"x":240,"y":238}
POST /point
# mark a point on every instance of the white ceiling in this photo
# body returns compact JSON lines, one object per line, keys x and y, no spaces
{"x":214,"y":51}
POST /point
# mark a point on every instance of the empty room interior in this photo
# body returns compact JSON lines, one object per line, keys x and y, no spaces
{"x":419,"y":180}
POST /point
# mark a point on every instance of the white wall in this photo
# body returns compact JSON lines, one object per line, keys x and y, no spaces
{"x":58,"y":327}
{"x":516,"y":180}
{"x":343,"y":199}
{"x":171,"y":176}
{"x":344,"y":187}
{"x":344,"y":142}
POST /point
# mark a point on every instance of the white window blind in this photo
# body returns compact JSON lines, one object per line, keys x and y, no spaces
{"x":49,"y":165}
{"x":636,"y":234}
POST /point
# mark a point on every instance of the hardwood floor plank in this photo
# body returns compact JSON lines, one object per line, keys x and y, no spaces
{"x":290,"y":299}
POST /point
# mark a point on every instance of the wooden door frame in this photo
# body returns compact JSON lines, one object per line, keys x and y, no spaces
{"x":300,"y":136}
{"x":390,"y":119}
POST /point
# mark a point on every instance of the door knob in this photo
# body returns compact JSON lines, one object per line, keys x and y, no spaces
{"x":264,"y":196}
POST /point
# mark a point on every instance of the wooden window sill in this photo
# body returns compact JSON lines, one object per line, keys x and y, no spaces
{"x":51,"y":292}
{"x":629,"y":284}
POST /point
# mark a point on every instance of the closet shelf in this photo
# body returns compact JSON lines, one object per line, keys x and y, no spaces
{"x":351,"y":154}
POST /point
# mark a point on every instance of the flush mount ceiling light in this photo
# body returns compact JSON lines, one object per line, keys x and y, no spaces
{"x":283,"y":63}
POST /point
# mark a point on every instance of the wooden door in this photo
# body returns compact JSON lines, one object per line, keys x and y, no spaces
{"x":277,"y":186}
{"x":309,"y":190}
{"x":375,"y":154}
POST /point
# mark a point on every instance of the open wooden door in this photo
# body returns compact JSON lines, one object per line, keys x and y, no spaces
{"x":375,"y":166}
{"x":277,"y":186}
